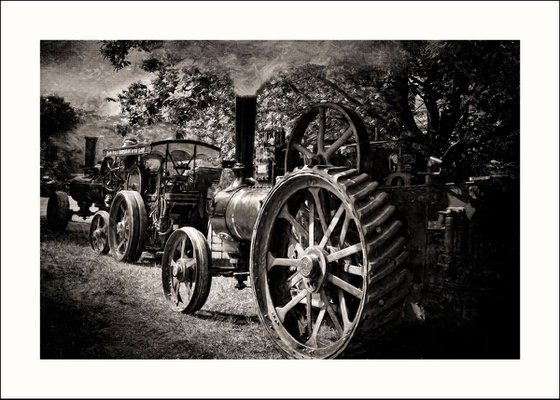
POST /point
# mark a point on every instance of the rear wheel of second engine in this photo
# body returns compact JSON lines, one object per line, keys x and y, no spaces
{"x":327,"y":263}
{"x":127,"y":221}
{"x":185,"y":270}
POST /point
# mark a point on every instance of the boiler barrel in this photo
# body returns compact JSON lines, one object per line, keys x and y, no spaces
{"x":236,"y":213}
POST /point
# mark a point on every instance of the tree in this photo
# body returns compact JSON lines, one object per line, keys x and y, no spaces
{"x":57,"y":116}
{"x":470,"y":90}
{"x":117,"y":51}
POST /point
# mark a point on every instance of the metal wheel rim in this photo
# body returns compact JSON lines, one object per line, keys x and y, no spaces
{"x":322,"y":155}
{"x":134,"y":180}
{"x":99,"y":233}
{"x":331,"y":300}
{"x":180,"y":271}
{"x":123,"y":228}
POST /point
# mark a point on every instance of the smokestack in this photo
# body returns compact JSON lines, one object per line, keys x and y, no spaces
{"x":91,"y":144}
{"x":245,"y":116}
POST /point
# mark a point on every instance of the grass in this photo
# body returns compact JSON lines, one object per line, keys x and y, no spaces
{"x":95,"y":307}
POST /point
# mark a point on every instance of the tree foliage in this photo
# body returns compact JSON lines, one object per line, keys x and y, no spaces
{"x":117,"y":51}
{"x":436,"y":94}
{"x":57,"y":116}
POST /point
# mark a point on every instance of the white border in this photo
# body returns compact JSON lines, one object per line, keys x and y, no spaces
{"x":24,"y":24}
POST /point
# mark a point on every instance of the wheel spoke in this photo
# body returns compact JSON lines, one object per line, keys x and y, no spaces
{"x":332,"y":313}
{"x":342,"y":284}
{"x":282,"y":311}
{"x":319,"y":207}
{"x":339,"y":142}
{"x":183,"y":244}
{"x":294,"y":223}
{"x":294,"y":279}
{"x":312,"y":224}
{"x":175,"y":283}
{"x":321,"y":134}
{"x":308,"y":313}
{"x":281,"y":262}
{"x":190,"y":262}
{"x":344,"y":230}
{"x":331,"y":226}
{"x":337,"y":255}
{"x":313,"y":339}
{"x":303,"y":150}
{"x":121,"y":244}
{"x":353,"y":269}
{"x":188,"y":286}
{"x":343,"y":310}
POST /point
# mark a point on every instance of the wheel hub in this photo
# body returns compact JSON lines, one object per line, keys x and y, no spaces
{"x":182,"y":270}
{"x":313,"y":267}
{"x":98,"y":233}
{"x":121,"y":227}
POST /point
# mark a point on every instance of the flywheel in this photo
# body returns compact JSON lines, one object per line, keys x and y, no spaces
{"x":328,"y":263}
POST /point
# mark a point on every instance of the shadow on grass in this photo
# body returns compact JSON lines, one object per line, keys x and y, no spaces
{"x":82,"y":331}
{"x":73,"y":331}
{"x":76,"y":233}
{"x":236,"y":319}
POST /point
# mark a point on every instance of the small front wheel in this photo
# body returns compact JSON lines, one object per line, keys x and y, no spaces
{"x":185,"y":270}
{"x":99,"y":232}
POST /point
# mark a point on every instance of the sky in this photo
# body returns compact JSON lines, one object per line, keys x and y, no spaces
{"x":77,"y":71}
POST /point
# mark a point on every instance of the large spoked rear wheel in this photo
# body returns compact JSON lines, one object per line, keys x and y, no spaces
{"x":327,"y":264}
{"x":185,"y":270}
{"x":329,"y":134}
{"x":58,"y":211}
{"x":127,"y":226}
{"x":99,"y":232}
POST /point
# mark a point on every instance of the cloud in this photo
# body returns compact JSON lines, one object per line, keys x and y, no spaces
{"x":77,"y":71}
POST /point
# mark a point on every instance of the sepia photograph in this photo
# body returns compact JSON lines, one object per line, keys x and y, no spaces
{"x":284,"y":199}
{"x":271,"y":199}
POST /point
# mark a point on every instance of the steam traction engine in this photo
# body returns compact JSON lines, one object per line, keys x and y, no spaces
{"x":345,"y":241}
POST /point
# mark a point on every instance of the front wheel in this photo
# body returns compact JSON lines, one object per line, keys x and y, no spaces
{"x":327,"y":264}
{"x":99,"y":232}
{"x":185,"y":270}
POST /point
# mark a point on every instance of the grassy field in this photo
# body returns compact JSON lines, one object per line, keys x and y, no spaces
{"x":95,"y":307}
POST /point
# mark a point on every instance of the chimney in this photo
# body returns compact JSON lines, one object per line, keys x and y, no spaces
{"x":91,"y":144}
{"x":245,"y":116}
